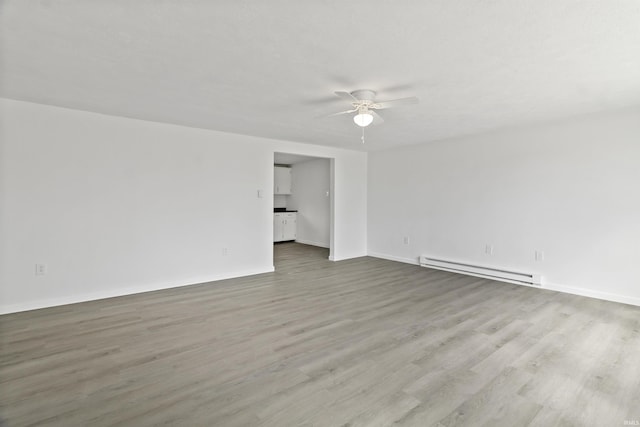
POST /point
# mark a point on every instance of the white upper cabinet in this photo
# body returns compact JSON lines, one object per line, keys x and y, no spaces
{"x":282,"y":180}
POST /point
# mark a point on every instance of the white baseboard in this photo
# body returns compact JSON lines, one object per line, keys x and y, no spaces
{"x":546,"y":285}
{"x":592,"y":294}
{"x":312,"y":243}
{"x":346,"y":257}
{"x":414,"y":261}
{"x":111,"y":293}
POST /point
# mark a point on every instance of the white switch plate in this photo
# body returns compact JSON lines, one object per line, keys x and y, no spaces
{"x":539,"y":255}
{"x":41,"y":269}
{"x":488,"y":249}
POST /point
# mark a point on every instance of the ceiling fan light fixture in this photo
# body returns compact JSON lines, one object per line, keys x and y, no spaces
{"x":363,"y":119}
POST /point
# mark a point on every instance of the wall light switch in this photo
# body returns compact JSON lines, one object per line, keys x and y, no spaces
{"x":539,"y":255}
{"x":41,"y":269}
{"x":260,"y":194}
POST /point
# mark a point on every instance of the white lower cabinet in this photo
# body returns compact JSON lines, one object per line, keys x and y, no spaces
{"x":284,"y":226}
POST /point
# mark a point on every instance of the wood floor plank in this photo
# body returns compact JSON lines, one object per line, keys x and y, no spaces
{"x":361,"y":342}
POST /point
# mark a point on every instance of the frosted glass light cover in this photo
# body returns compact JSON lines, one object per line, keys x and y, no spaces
{"x":363,"y":119}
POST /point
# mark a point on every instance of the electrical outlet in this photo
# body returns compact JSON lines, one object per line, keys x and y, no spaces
{"x":41,"y":269}
{"x":488,"y":249}
{"x":539,"y":255}
{"x":406,"y":240}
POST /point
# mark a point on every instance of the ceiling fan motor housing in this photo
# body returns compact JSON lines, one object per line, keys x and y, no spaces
{"x":364,"y":95}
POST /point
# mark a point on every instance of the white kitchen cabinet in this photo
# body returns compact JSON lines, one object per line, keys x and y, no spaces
{"x":278,"y":227}
{"x":284,"y":226}
{"x":281,"y":180}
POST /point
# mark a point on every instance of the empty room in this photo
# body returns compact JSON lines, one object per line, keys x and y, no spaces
{"x":243,"y":213}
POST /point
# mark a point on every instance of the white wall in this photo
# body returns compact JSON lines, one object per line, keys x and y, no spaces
{"x":115,"y":206}
{"x":310,"y":197}
{"x":569,"y":189}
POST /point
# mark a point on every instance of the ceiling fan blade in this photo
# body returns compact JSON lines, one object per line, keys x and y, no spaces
{"x":341,"y":113}
{"x":377,"y":120}
{"x":346,"y":96}
{"x":395,"y":103}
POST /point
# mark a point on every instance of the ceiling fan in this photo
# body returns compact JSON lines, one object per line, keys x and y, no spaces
{"x":364,"y":104}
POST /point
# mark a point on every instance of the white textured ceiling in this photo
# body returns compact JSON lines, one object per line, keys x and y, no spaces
{"x":269,"y":68}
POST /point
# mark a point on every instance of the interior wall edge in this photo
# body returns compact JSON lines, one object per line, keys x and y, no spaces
{"x":114,"y":293}
{"x":585,"y":292}
{"x":556,"y":287}
{"x":414,"y":261}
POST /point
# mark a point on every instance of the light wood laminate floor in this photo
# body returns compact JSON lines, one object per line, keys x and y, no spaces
{"x":363,"y":342}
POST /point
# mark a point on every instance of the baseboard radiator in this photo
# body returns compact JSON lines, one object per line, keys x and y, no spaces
{"x":482,"y":271}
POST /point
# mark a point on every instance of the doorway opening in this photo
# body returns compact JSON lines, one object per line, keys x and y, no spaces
{"x":303,"y":206}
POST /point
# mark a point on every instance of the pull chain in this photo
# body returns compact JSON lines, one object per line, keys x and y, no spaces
{"x":362,"y":135}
